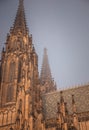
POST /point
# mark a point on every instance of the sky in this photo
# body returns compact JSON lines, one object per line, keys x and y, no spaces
{"x":62,"y":26}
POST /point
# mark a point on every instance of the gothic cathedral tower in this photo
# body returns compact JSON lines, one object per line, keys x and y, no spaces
{"x":20,"y":94}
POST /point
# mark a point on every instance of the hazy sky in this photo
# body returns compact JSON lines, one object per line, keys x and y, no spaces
{"x":62,"y":26}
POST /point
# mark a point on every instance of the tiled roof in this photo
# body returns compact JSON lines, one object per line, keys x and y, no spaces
{"x":81,"y":96}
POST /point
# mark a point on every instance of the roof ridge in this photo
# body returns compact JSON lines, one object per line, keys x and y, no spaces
{"x":66,"y":89}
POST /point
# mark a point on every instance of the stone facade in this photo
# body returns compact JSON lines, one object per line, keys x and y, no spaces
{"x":20,"y":103}
{"x":30,"y":102}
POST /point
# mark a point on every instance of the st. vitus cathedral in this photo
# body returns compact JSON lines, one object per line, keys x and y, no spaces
{"x":30,"y":102}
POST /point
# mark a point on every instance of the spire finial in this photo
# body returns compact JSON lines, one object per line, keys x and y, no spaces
{"x":20,"y":22}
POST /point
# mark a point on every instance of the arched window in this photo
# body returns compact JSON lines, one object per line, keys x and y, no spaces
{"x":12,"y":72}
{"x":9,"y":93}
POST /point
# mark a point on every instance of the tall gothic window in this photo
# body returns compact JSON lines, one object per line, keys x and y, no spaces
{"x":12,"y":72}
{"x":11,"y":76}
{"x":19,"y":71}
{"x":10,"y":93}
{"x":4,"y":72}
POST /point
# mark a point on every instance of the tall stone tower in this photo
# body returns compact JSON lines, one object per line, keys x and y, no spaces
{"x":46,"y":79}
{"x":20,"y":104}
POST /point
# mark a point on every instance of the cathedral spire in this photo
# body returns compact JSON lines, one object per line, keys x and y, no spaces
{"x":45,"y":77}
{"x":20,"y":22}
{"x":45,"y":71}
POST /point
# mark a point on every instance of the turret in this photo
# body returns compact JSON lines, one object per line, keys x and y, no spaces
{"x":62,"y":113}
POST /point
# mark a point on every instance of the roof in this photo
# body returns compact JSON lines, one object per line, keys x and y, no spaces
{"x":81,"y":96}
